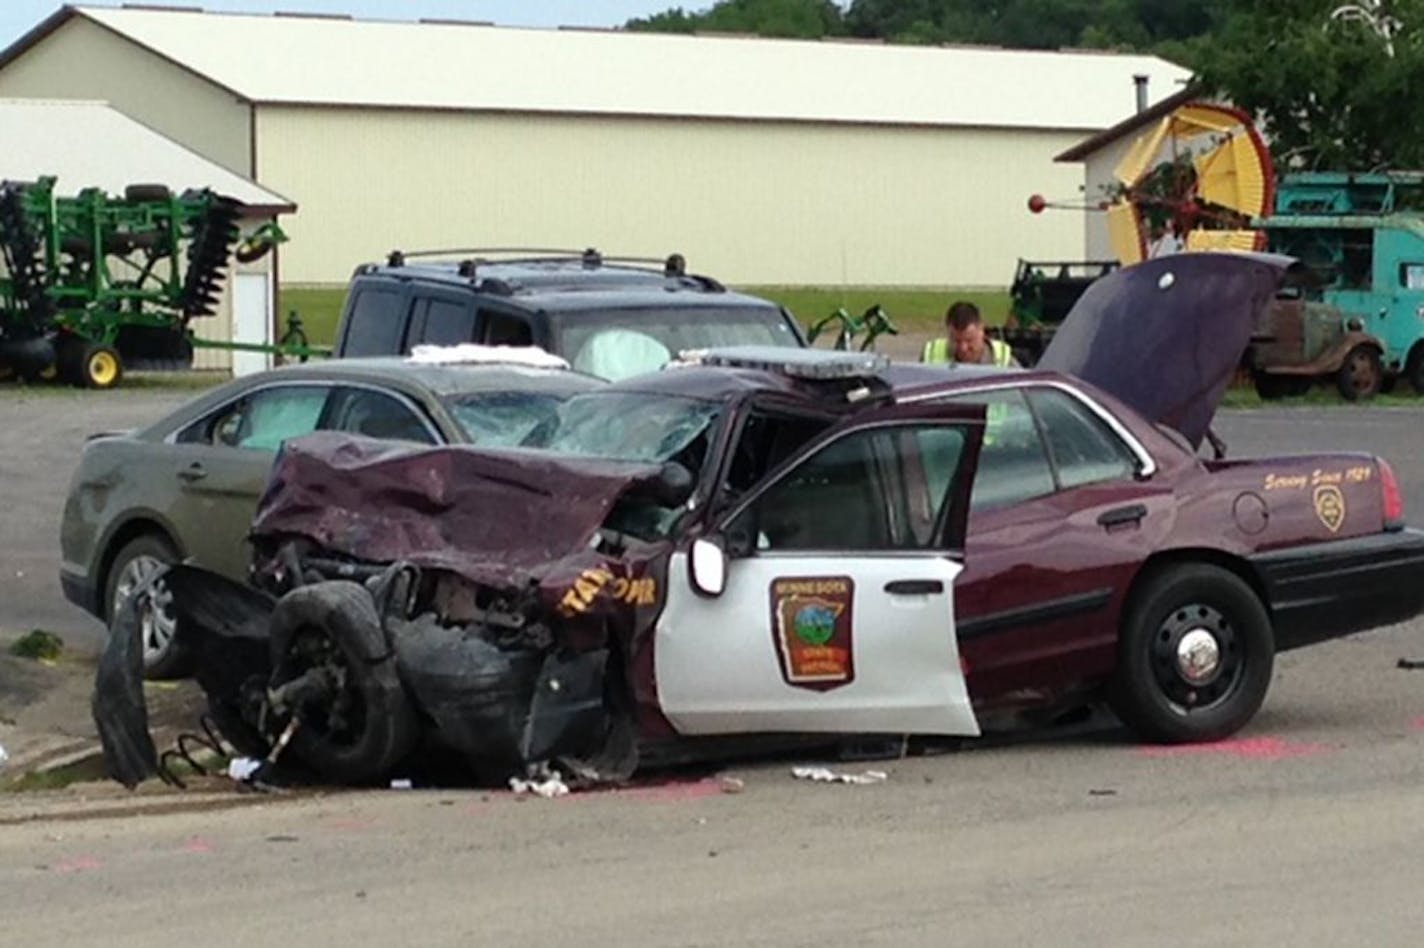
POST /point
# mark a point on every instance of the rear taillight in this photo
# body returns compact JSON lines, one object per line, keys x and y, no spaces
{"x":1390,"y":498}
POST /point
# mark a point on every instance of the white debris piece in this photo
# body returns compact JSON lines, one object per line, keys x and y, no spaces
{"x":3,"y":756}
{"x":402,"y":784}
{"x":827,"y":775}
{"x":550,"y":787}
{"x":242,"y":768}
{"x":469,"y":353}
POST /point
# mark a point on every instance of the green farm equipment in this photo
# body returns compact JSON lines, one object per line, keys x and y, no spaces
{"x":92,"y":284}
{"x":1040,"y":297}
{"x":874,"y":323}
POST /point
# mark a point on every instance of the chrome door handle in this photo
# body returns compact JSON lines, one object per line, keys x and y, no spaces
{"x":193,"y":472}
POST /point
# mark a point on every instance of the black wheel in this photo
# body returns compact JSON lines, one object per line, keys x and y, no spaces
{"x":1360,"y":375}
{"x":1270,"y":386}
{"x":163,"y":653}
{"x":69,"y":359}
{"x":1414,"y":370}
{"x":147,"y":192}
{"x":100,"y":366}
{"x":1194,"y":657}
{"x":356,"y":721}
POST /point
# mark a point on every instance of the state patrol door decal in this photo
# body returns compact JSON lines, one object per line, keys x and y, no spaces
{"x":812,"y":625}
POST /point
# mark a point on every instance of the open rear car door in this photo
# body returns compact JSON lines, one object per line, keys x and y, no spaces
{"x":823,"y":600}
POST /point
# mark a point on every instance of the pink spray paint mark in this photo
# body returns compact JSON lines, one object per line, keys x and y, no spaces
{"x":1249,"y":748}
{"x":671,"y":792}
{"x":77,"y":864}
{"x":1417,"y":724}
{"x":197,"y":846}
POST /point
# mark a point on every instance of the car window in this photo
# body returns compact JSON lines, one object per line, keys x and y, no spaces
{"x":631,"y":426}
{"x":376,"y":414}
{"x":376,"y":323}
{"x":446,"y":323}
{"x":865,"y":491}
{"x":766,"y":440}
{"x":1083,"y":449}
{"x":503,"y":329}
{"x":261,"y":420}
{"x":505,"y":419}
{"x":1013,"y":466}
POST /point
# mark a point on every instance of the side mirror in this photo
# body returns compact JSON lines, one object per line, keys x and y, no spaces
{"x":707,"y":568}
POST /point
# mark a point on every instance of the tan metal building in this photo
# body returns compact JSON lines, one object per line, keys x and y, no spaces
{"x":764,"y":161}
{"x":90,"y":145}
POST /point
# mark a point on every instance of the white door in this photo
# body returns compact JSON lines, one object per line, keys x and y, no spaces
{"x":814,"y":644}
{"x":251,"y":321}
{"x":837,"y":613}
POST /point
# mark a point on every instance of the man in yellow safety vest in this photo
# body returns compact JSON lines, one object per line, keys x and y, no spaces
{"x":966,"y":341}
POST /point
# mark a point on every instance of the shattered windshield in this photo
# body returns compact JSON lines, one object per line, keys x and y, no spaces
{"x":631,"y":426}
{"x":504,"y":419}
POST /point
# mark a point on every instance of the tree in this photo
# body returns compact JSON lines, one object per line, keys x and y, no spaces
{"x":809,"y":19}
{"x":1330,"y":92}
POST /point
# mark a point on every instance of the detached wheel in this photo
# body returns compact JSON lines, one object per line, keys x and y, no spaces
{"x":100,"y":367}
{"x":1195,"y":656}
{"x":1361,"y":375}
{"x":356,"y":721}
{"x":136,"y":561}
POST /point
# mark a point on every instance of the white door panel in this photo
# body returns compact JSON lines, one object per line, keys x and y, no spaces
{"x":814,"y":643}
{"x":251,"y":321}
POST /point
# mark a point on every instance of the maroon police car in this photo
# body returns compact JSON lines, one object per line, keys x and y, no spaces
{"x":756,"y":545}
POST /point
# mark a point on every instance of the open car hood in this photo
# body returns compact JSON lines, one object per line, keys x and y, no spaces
{"x":495,"y":516}
{"x":1166,"y":336}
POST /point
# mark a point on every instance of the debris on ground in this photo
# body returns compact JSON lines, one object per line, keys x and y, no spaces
{"x":38,"y":645}
{"x":827,"y":775}
{"x":402,"y":784}
{"x":3,"y":756}
{"x":547,"y":785}
{"x":733,"y":785}
{"x":1410,"y":664}
{"x":242,"y":768}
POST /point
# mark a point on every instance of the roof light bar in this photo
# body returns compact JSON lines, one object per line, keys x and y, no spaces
{"x":815,"y":364}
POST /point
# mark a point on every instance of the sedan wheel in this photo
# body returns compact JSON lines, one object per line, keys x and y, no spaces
{"x":135,"y":564}
{"x":1195,"y":656}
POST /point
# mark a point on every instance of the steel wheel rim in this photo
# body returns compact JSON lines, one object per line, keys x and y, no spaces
{"x":103,"y":368}
{"x":157,"y":621}
{"x":1197,"y":659}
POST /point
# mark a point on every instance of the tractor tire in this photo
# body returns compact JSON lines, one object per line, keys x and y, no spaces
{"x":1361,"y":375}
{"x":100,"y":367}
{"x":147,"y":192}
{"x":1414,"y":370}
{"x":368,"y":725}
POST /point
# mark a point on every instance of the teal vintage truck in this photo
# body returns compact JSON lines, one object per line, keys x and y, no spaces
{"x":1354,"y":312}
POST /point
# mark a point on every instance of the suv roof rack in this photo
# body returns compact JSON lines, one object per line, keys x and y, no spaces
{"x":674,"y":265}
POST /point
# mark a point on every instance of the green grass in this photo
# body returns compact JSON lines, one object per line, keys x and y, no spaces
{"x":319,"y":308}
{"x":1322,"y":396}
{"x":911,"y":309}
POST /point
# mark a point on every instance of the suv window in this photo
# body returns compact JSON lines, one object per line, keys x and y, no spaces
{"x":376,"y":324}
{"x":262,"y":420}
{"x":1013,"y":466}
{"x":503,"y":329}
{"x":1084,"y":450}
{"x":865,"y":491}
{"x":378,"y":415}
{"x":443,"y":322}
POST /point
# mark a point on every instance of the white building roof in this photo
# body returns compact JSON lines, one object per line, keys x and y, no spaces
{"x":325,"y":61}
{"x":89,"y":144}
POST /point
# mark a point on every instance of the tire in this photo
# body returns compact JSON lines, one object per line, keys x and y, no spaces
{"x":100,"y":367}
{"x":1151,"y":690}
{"x":163,"y":654}
{"x":335,"y":624}
{"x":1360,"y":375}
{"x":147,"y":192}
{"x":1414,"y":370}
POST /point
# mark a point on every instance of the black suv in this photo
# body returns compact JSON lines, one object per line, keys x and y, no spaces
{"x":604,"y":315}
